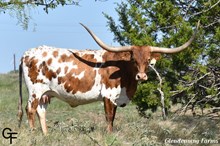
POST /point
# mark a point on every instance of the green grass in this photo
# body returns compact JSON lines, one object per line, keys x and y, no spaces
{"x":85,"y":125}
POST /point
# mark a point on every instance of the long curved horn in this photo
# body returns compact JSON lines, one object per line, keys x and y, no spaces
{"x":177,"y":49}
{"x":104,"y":46}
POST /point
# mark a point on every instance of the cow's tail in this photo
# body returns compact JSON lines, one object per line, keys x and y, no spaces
{"x":20,"y":109}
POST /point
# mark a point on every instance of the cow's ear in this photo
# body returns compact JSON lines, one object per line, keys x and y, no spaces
{"x":156,"y":56}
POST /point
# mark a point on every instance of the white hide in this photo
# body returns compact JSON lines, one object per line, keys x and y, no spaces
{"x":117,"y":95}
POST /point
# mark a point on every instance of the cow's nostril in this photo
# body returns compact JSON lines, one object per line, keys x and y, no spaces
{"x":138,"y":76}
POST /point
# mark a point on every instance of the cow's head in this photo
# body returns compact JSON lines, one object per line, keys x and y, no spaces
{"x":142,"y":56}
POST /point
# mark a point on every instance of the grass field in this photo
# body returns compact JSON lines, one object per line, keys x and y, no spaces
{"x":85,"y":125}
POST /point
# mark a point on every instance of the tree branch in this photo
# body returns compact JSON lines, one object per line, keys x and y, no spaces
{"x":39,"y":2}
{"x":203,"y":11}
{"x":186,"y":106}
{"x":191,"y":84}
{"x":161,"y":92}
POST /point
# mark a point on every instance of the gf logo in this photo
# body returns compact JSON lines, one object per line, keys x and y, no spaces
{"x":8,"y":134}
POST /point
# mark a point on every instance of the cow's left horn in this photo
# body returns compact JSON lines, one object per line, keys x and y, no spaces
{"x":177,"y":49}
{"x":104,"y":46}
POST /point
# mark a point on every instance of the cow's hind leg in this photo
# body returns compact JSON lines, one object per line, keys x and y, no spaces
{"x":41,"y":112}
{"x":31,"y":109}
{"x":110,"y":110}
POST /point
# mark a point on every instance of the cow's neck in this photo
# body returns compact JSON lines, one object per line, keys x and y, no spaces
{"x":119,"y":70}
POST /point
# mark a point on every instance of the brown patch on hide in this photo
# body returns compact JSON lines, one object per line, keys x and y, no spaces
{"x":33,"y":71}
{"x":49,"y":61}
{"x":34,"y":104}
{"x":65,"y":69}
{"x":55,"y":54}
{"x":84,"y":65}
{"x":58,"y":71}
{"x":48,"y":73}
{"x":44,"y":54}
{"x":65,"y":58}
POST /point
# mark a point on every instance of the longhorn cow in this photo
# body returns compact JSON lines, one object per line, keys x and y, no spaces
{"x":81,"y":77}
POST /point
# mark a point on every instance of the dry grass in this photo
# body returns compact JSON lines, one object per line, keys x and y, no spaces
{"x":85,"y":125}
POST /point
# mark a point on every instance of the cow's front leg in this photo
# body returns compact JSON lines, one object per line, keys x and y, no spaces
{"x":110,"y":110}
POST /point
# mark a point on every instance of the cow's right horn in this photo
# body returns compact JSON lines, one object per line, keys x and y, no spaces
{"x":104,"y":46}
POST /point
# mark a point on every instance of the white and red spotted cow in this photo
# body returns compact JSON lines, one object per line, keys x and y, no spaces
{"x":81,"y":77}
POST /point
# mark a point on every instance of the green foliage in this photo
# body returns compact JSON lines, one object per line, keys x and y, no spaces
{"x":143,"y":100}
{"x":170,"y":24}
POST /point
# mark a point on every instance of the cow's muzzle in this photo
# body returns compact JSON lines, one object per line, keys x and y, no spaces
{"x":141,"y":76}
